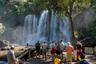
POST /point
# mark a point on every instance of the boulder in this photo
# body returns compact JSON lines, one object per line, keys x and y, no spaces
{"x":2,"y":44}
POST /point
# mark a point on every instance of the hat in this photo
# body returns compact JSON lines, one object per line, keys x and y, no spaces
{"x":69,"y":43}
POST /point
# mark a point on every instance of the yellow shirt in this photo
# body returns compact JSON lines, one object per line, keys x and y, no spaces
{"x":57,"y":61}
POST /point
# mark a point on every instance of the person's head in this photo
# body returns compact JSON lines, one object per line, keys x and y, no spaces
{"x":61,"y":40}
{"x":55,"y":43}
{"x":37,"y":41}
{"x":69,"y":43}
{"x":44,"y":42}
{"x":8,"y":48}
{"x":52,"y":41}
{"x":12,"y":47}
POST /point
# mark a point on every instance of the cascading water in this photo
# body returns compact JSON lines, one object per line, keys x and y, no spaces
{"x":37,"y":30}
{"x":30,"y":28}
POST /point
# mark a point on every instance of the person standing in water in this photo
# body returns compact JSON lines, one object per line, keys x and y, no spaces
{"x":27,"y":44}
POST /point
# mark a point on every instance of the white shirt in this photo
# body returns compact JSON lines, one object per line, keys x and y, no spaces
{"x":62,"y":45}
{"x":44,"y":46}
{"x":10,"y":56}
{"x":52,"y":45}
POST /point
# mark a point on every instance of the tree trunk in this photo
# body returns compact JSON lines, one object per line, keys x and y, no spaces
{"x":73,"y":41}
{"x":72,"y":31}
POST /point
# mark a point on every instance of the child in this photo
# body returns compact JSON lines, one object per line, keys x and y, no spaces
{"x":57,"y":60}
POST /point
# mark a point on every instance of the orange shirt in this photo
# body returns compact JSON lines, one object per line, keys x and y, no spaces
{"x":69,"y":49}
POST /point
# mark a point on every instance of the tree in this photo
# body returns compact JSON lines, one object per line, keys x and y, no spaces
{"x":64,"y":7}
{"x":75,"y":6}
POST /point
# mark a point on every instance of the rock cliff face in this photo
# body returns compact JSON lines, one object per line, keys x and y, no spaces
{"x":88,"y":42}
{"x":83,"y":19}
{"x":2,"y":44}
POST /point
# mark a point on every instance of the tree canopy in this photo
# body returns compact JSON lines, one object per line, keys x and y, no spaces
{"x":37,"y":6}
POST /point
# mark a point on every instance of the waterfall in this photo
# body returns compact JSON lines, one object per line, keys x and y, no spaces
{"x":42,"y":26}
{"x":30,"y":28}
{"x":37,"y":30}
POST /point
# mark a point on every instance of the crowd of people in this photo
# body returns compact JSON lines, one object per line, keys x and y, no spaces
{"x":61,"y":52}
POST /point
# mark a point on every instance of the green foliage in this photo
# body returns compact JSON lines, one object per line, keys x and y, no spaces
{"x":2,"y":28}
{"x":93,"y":2}
{"x":37,"y":6}
{"x":60,"y":6}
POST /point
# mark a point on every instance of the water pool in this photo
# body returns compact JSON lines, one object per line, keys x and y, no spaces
{"x":3,"y":62}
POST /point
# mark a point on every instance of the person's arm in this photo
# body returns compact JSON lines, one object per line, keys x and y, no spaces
{"x":72,"y":48}
{"x":13,"y":56}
